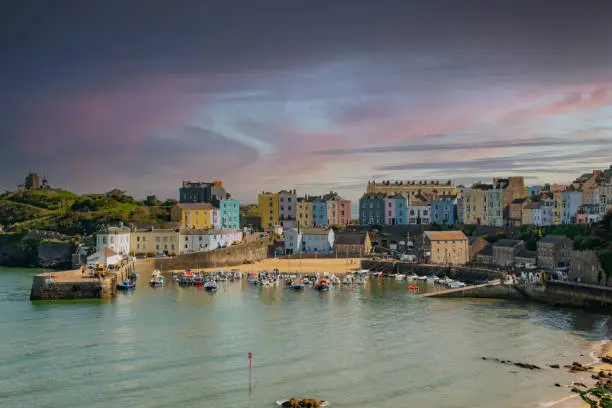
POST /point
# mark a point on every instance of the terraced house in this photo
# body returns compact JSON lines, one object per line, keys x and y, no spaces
{"x":196,"y":215}
{"x":444,"y":210}
{"x":268,"y":209}
{"x":372,"y":209}
{"x":396,"y":208}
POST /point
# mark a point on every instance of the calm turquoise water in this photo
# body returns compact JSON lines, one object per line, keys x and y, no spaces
{"x":377,"y":346}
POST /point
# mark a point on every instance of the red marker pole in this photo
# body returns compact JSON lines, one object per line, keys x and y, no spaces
{"x":250,"y":367}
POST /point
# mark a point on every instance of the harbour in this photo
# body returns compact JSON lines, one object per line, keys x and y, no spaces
{"x":375,"y":344}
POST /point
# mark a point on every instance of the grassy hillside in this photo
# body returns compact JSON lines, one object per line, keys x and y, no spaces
{"x":68,"y":213}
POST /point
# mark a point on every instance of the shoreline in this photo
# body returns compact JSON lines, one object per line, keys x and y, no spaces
{"x":596,"y":350}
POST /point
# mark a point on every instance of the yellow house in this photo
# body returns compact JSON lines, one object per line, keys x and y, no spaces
{"x":476,"y":199}
{"x":268,"y":209}
{"x":195,"y":215}
{"x":154,"y":242}
{"x":303,"y":213}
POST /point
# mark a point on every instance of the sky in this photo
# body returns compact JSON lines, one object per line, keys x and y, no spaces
{"x":313,"y":95}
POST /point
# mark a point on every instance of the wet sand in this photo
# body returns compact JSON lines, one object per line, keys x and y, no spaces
{"x":336,"y":266}
{"x":595,"y":352}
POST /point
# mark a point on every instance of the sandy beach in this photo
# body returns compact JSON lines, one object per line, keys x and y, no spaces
{"x":305,"y":266}
{"x":596,"y":351}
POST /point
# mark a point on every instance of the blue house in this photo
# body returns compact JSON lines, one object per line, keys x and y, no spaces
{"x":444,"y":210}
{"x":319,"y":212}
{"x":229,"y":212}
{"x":372,"y":209}
{"x":396,"y":208}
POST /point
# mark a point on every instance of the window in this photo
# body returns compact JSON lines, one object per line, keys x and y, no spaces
{"x":282,"y":199}
{"x":173,"y":247}
{"x":157,"y":247}
{"x":185,"y":246}
{"x":137,"y":239}
{"x":137,"y":246}
{"x":289,"y":208}
{"x":158,"y":239}
{"x":199,"y":238}
{"x":289,"y":199}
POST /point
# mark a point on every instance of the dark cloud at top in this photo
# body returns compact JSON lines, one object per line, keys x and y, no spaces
{"x":69,"y":40}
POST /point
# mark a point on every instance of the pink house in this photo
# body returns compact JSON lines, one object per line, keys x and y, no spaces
{"x":344,"y":212}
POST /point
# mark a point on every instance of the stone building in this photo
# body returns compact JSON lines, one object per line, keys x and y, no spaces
{"x":32,"y":182}
{"x":512,"y":188}
{"x":505,"y":250}
{"x":446,"y":247}
{"x":485,"y":255}
{"x":355,"y":244}
{"x":475,"y":245}
{"x":411,"y":187}
{"x":585,"y":268}
{"x":554,"y":251}
{"x":526,"y":257}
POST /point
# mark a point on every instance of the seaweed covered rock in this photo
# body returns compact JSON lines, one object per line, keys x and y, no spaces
{"x":301,"y":403}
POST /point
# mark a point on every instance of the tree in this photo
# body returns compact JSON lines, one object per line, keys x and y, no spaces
{"x":170,"y":202}
{"x":152,"y":201}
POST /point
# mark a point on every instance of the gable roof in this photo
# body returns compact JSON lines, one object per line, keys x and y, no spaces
{"x":350,"y":238}
{"x":446,"y":235}
{"x":507,"y":243}
{"x":553,"y":239}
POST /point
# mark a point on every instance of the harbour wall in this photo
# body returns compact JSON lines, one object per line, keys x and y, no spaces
{"x":464,"y":274}
{"x":71,"y":285}
{"x":590,"y":297}
{"x":230,"y":256}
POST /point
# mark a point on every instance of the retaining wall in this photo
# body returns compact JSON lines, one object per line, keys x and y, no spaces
{"x":233,"y":255}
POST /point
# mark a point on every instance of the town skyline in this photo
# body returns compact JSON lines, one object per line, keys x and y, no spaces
{"x":316,"y":98}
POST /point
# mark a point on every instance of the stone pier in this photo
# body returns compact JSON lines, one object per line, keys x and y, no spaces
{"x":73,"y":285}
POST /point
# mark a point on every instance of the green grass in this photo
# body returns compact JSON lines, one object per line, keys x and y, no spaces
{"x":71,"y":214}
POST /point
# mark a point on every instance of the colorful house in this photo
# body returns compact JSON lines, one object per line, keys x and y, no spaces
{"x":396,"y":209}
{"x":304,"y":213}
{"x":494,"y":215}
{"x":268,"y":209}
{"x":571,"y":200}
{"x":229,"y":213}
{"x":196,"y":215}
{"x":155,"y":241}
{"x":372,"y":209}
{"x":338,"y":209}
{"x":287,"y":208}
{"x":516,"y":211}
{"x":309,"y":240}
{"x":319,"y":212}
{"x":444,"y":210}
{"x":199,"y":240}
{"x":419,"y":210}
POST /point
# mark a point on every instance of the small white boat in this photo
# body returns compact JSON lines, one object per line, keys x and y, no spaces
{"x":399,"y":276}
{"x":412,"y":277}
{"x":347,"y":280}
{"x":421,"y":278}
{"x":210,"y":286}
{"x":322,"y":402}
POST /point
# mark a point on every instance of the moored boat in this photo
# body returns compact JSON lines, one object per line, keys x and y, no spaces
{"x":322,"y":285}
{"x":210,"y":286}
{"x":297,"y":285}
{"x":126,"y":285}
{"x":156,"y":282}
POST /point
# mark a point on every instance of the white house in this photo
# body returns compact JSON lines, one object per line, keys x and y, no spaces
{"x":115,"y":238}
{"x":309,"y":240}
{"x":207,"y":240}
{"x":419,"y":213}
{"x":105,"y":256}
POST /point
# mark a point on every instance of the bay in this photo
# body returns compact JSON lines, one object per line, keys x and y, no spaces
{"x":373,"y":346}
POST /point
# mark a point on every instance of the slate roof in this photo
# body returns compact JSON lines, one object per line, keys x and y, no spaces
{"x":349,"y":238}
{"x":507,"y":243}
{"x":553,"y":239}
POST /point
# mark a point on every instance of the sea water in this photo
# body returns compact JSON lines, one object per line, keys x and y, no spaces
{"x":376,"y":345}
